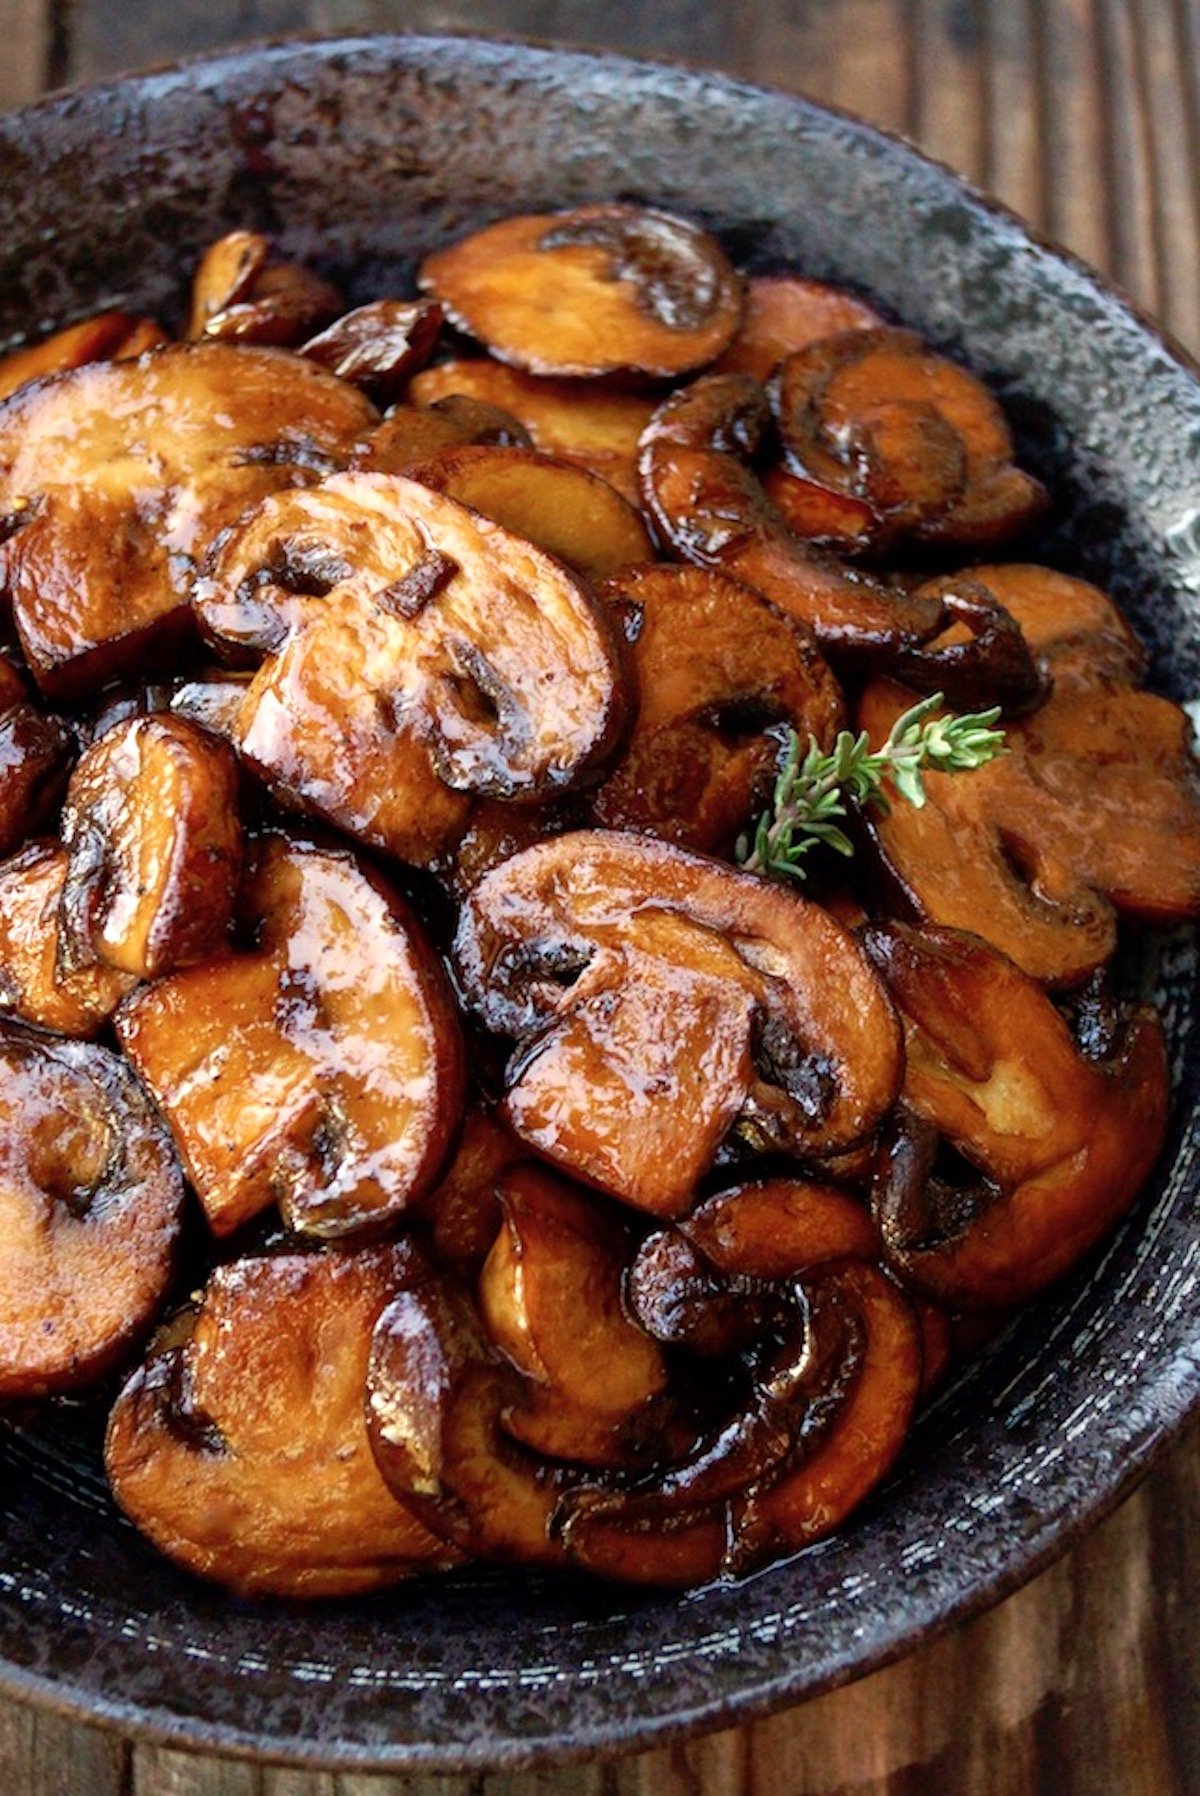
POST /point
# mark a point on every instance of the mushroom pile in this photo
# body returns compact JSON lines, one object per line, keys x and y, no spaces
{"x":415,"y":1124}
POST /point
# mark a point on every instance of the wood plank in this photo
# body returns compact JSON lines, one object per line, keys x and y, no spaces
{"x":25,"y":65}
{"x":1015,"y":161}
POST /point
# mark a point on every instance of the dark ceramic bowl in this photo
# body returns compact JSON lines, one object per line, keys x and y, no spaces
{"x":362,"y":154}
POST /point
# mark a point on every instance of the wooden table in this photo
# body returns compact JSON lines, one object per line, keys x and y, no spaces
{"x":1085,"y":116}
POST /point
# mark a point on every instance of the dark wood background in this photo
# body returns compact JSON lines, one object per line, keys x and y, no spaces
{"x":1085,"y":116}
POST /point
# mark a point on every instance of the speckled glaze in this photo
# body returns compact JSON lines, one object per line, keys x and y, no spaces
{"x":362,"y":154}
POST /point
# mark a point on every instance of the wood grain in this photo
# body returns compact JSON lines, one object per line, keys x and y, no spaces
{"x":1085,"y":116}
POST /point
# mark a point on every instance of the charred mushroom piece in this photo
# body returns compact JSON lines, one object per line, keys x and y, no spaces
{"x":717,"y":666}
{"x":876,"y":416}
{"x":35,"y":985}
{"x":119,"y":475}
{"x":574,"y":419}
{"x":35,"y":757}
{"x":603,"y":290}
{"x":377,"y":347}
{"x":437,"y":1392}
{"x":91,"y":1202}
{"x":1095,"y":806}
{"x":151,"y":825}
{"x":784,"y":314}
{"x":658,"y":1000}
{"x":557,"y":505}
{"x":439,"y":657}
{"x":550,"y":1297}
{"x":464,"y":1212}
{"x":105,"y":337}
{"x":1072,"y":628}
{"x":322,"y":1070}
{"x":240,"y":1447}
{"x":1049,"y":1149}
{"x":240,"y":295}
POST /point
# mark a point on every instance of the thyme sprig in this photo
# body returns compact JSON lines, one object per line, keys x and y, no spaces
{"x":812,"y":787}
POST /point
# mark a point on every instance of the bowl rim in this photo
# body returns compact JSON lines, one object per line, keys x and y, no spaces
{"x":1177,"y":1400}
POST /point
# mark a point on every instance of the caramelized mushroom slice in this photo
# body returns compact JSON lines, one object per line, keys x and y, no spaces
{"x":877,"y":416}
{"x":464,"y":1212}
{"x":574,"y":419}
{"x":442,"y":656}
{"x":602,"y":290}
{"x":784,"y":314}
{"x":1096,"y":805}
{"x":104,"y":337}
{"x":35,"y":756}
{"x":1073,"y":629}
{"x":240,"y":1447}
{"x":151,"y":823}
{"x":710,"y":508}
{"x":550,"y":1296}
{"x":91,"y":1203}
{"x":558,"y":505}
{"x":436,"y":1395}
{"x":34,"y":984}
{"x":411,"y":433}
{"x":1055,"y":1146}
{"x":658,"y":1000}
{"x":824,"y":1418}
{"x":124,"y":472}
{"x":717,"y":665}
{"x":323,"y":1069}
{"x":240,"y":295}
{"x":377,"y":347}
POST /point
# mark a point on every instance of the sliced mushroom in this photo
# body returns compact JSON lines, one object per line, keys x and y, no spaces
{"x":602,"y":290}
{"x":91,"y":1202}
{"x":710,"y":507}
{"x":240,"y":295}
{"x":1073,"y":629}
{"x":378,"y":346}
{"x":784,"y":314}
{"x":120,"y":474}
{"x":824,"y":1416}
{"x":574,"y":419}
{"x":440,"y":656}
{"x":1051,"y":1147}
{"x":558,"y":505}
{"x":717,"y":665}
{"x":877,"y":416}
{"x":240,"y":1448}
{"x":35,"y":757}
{"x":35,"y":985}
{"x":658,"y":1000}
{"x":1095,"y":806}
{"x":437,"y":1392}
{"x":323,"y":1069}
{"x":104,"y":337}
{"x":155,"y":843}
{"x":464,"y":1212}
{"x":413,"y":433}
{"x":550,"y":1296}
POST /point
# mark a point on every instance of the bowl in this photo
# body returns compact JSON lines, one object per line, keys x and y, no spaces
{"x":360,"y":154}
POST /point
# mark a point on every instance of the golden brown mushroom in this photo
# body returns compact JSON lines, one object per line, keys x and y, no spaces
{"x":659,"y":1000}
{"x":378,"y":346}
{"x":717,"y":665}
{"x":240,"y":295}
{"x":104,"y":337}
{"x":432,"y":656}
{"x":602,"y":290}
{"x":155,"y":845}
{"x":784,"y":314}
{"x":1052,"y":1147}
{"x":35,"y":984}
{"x":575,"y":419}
{"x":115,"y":478}
{"x":240,"y":1448}
{"x":35,"y":757}
{"x":91,"y":1203}
{"x":323,"y":1068}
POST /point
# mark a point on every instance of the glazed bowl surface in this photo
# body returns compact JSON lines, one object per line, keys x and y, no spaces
{"x":361,"y":154}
